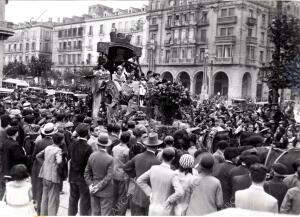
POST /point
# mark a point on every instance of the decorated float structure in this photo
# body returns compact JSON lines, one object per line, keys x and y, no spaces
{"x":111,"y":94}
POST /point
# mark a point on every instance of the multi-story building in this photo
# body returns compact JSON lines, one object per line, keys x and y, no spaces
{"x":30,"y":40}
{"x":75,"y":39}
{"x":6,"y":30}
{"x":212,"y":46}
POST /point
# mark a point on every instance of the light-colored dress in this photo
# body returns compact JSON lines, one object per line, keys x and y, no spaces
{"x":186,"y":181}
{"x":19,"y":198}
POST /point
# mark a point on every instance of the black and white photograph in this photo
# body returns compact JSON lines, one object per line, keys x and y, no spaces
{"x":149,"y":108}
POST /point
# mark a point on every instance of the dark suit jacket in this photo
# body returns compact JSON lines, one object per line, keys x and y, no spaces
{"x":237,"y":171}
{"x":277,"y":189}
{"x":13,"y":154}
{"x":221,"y":172}
{"x":99,"y":171}
{"x":240,"y":183}
{"x":136,"y":167}
{"x":79,"y":153}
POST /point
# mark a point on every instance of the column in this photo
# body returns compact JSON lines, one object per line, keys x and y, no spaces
{"x":1,"y":60}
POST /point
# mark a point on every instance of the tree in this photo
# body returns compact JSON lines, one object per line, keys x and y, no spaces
{"x":283,"y":70}
{"x":15,"y":70}
{"x":40,"y":67}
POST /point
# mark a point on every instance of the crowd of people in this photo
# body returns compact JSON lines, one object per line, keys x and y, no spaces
{"x":114,"y":167}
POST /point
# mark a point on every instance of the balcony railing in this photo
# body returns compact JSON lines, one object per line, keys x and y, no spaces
{"x":182,"y":60}
{"x":224,"y":60}
{"x":231,"y":38}
{"x":202,"y":41}
{"x":202,"y":22}
{"x":227,"y":20}
{"x":167,"y":42}
{"x":251,"y":40}
{"x":250,"y":61}
{"x":6,"y":30}
{"x":68,"y":49}
{"x":153,"y":27}
{"x":251,"y":21}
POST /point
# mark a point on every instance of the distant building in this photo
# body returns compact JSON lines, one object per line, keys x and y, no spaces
{"x":31,"y":39}
{"x":218,"y":43}
{"x":75,"y":39}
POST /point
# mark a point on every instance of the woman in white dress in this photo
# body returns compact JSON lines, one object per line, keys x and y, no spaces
{"x":18,"y":192}
{"x":186,"y":177}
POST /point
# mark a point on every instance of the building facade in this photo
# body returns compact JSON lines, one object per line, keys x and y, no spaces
{"x":75,"y":39}
{"x":216,"y":47}
{"x":30,"y":40}
{"x":6,"y":31}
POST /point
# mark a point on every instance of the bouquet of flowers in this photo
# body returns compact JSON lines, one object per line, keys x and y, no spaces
{"x":168,"y":97}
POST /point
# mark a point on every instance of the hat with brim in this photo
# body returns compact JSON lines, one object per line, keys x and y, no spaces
{"x":152,"y":140}
{"x":103,"y":140}
{"x":49,"y":129}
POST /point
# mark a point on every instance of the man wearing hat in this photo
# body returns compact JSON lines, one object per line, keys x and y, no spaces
{"x":292,"y":180}
{"x":165,"y":188}
{"x":37,"y":183}
{"x":276,"y":187}
{"x":98,"y":175}
{"x":79,"y":153}
{"x":139,"y":165}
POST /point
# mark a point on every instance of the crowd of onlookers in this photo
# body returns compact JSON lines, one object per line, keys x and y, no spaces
{"x":115,"y":167}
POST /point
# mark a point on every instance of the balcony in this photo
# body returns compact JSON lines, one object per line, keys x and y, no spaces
{"x":227,"y":20}
{"x":220,"y":39}
{"x":251,"y":62}
{"x":251,"y":21}
{"x":202,"y":22}
{"x":69,"y":49}
{"x":182,"y":61}
{"x":167,"y":43}
{"x":251,"y":40}
{"x":202,"y":41}
{"x":224,"y":60}
{"x":151,"y":44}
{"x":168,"y":26}
{"x":153,"y":27}
{"x":6,"y":30}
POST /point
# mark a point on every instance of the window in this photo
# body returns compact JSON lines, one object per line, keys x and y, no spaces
{"x":224,"y":51}
{"x":263,"y":19}
{"x":47,"y":46}
{"x":138,"y":40}
{"x":70,"y":32}
{"x":183,"y":53}
{"x":192,"y":17}
{"x":261,"y":56}
{"x":74,"y":58}
{"x":33,"y":46}
{"x":204,"y":16}
{"x":183,"y":35}
{"x":171,"y":3}
{"x":203,"y":35}
{"x":80,"y":31}
{"x":227,"y":12}
{"x":176,"y":34}
{"x":90,"y":43}
{"x":169,"y":20}
{"x":26,"y":59}
{"x":202,"y":54}
{"x":191,"y":34}
{"x":184,"y":17}
{"x":101,"y":29}
{"x":231,"y":11}
{"x":21,"y":47}
{"x":174,"y":53}
{"x":78,"y":59}
{"x":113,"y":25}
{"x":88,"y":61}
{"x":223,"y":32}
{"x":74,"y":45}
{"x":69,"y":59}
{"x":249,"y":32}
{"x":69,"y":45}
{"x":64,"y":59}
{"x":65,"y":45}
{"x":60,"y":46}
{"x":59,"y":59}
{"x":74,"y":31}
{"x":127,"y":25}
{"x":250,"y":52}
{"x":167,"y":56}
{"x":91,"y":30}
{"x":9,"y":47}
{"x":180,"y":2}
{"x":230,"y":31}
{"x":154,"y":20}
{"x":153,"y":36}
{"x":262,"y":34}
{"x":27,"y":46}
{"x":60,"y":33}
{"x":79,"y":45}
{"x":250,"y":13}
{"x":177,"y":17}
{"x":15,"y":47}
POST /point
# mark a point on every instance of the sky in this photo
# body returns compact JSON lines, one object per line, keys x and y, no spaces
{"x":17,"y":11}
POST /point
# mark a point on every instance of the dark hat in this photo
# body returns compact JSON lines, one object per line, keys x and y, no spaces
{"x":296,"y":164}
{"x":251,"y":159}
{"x":169,"y":140}
{"x":222,"y":144}
{"x":29,"y":118}
{"x":279,"y":169}
{"x":11,"y":131}
{"x":82,"y":130}
{"x":207,"y":161}
{"x":88,"y":120}
{"x":254,"y":140}
{"x":230,"y":153}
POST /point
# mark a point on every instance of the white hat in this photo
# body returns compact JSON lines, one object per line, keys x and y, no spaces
{"x":48,"y":129}
{"x":26,"y":104}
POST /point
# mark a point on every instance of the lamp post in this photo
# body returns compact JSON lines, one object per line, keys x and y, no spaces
{"x":204,"y":90}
